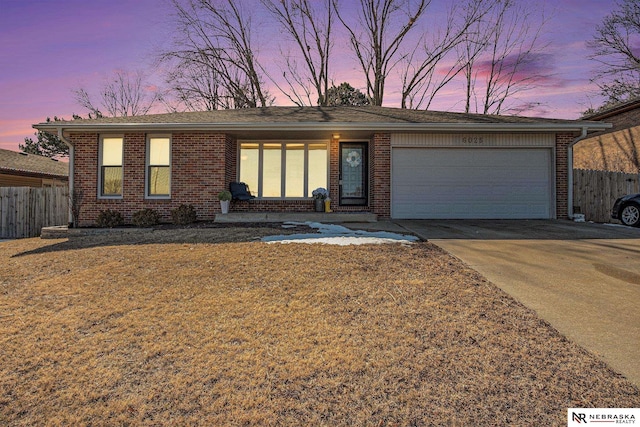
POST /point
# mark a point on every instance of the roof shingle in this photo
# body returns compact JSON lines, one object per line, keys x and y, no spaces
{"x":370,"y":114}
{"x":13,"y":161}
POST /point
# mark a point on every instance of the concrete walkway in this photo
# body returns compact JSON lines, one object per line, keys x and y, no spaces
{"x":584,"y":279}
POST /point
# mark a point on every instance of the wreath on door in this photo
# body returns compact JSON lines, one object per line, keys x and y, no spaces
{"x":354,"y":159}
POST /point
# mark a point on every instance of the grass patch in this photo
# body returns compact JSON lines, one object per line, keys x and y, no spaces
{"x":185,"y":333}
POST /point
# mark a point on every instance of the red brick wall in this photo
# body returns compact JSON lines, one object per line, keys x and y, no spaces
{"x":272,"y":206}
{"x":203,"y":164}
{"x":85,"y":175}
{"x":563,"y":140}
{"x":198,"y":174}
{"x":381,"y":176}
{"x":231,"y":161}
{"x":198,"y":171}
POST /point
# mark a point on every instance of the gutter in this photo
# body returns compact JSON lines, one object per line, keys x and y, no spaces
{"x":33,"y":174}
{"x":71,"y":170}
{"x":334,"y":126}
{"x":582,"y":136}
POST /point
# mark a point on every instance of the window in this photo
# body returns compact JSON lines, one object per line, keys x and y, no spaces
{"x":271,"y":170}
{"x":294,"y":177}
{"x":111,"y":167}
{"x":283,"y":170}
{"x":158,"y":166}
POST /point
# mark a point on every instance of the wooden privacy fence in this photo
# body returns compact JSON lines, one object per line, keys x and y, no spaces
{"x":25,"y":210}
{"x":594,"y":192}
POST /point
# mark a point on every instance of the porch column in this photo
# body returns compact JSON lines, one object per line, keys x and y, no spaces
{"x":563,"y":140}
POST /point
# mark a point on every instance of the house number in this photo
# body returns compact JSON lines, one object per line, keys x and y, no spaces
{"x":473,"y":140}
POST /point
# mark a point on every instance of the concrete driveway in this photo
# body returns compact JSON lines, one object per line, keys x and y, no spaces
{"x":584,"y":279}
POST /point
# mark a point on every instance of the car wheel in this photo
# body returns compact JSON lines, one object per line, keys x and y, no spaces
{"x":630,"y":215}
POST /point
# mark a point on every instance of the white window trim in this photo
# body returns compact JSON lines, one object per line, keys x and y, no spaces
{"x":146,"y":167}
{"x":283,"y":170}
{"x":99,"y":189}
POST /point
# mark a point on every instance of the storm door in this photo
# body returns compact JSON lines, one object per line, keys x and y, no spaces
{"x":353,"y":173}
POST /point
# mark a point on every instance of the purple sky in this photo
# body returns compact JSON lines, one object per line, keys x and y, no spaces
{"x":49,"y":47}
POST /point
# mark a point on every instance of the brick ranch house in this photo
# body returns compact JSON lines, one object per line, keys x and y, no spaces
{"x":394,"y":163}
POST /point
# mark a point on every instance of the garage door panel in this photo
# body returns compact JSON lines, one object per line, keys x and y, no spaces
{"x":473,"y":183}
{"x":477,"y":211}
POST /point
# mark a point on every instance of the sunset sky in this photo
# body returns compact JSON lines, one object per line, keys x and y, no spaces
{"x":50,"y":47}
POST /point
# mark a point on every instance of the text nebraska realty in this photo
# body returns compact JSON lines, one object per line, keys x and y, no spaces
{"x":604,"y":418}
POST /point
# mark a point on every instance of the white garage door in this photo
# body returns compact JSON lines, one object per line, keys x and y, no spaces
{"x":487,"y":183}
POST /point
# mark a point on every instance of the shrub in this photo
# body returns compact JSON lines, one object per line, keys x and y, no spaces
{"x":146,"y":218}
{"x":224,"y":195}
{"x":109,"y":218}
{"x":184,"y":214}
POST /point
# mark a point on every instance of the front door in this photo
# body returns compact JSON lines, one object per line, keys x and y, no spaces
{"x":353,"y":173}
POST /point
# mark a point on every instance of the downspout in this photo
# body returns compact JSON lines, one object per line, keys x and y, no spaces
{"x":582,"y":136}
{"x":71,"y":170}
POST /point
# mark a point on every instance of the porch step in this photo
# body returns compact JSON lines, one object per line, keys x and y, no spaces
{"x":324,"y":217}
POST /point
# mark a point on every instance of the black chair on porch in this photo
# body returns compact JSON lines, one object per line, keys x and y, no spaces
{"x":240,"y":191}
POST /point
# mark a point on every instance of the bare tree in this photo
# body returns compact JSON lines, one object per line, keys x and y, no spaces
{"x":76,"y":198}
{"x":197,"y":86}
{"x":618,"y":151}
{"x":629,"y":149}
{"x":123,"y":94}
{"x":309,"y":24}
{"x":614,"y":47}
{"x":384,"y":25}
{"x":510,"y":46}
{"x":424,"y":74}
{"x":214,"y":46}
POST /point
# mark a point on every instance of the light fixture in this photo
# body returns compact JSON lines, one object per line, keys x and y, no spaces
{"x":336,"y":136}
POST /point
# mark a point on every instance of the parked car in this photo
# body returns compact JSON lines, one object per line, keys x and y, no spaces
{"x":627,"y":210}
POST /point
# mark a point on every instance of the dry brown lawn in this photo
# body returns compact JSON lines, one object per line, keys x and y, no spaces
{"x":178,"y":328}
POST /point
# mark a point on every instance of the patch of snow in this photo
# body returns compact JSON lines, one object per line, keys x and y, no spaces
{"x":332,"y":234}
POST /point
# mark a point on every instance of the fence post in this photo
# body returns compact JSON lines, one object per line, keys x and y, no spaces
{"x":25,"y":210}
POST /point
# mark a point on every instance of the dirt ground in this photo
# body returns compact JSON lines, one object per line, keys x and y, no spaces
{"x":206,"y":326}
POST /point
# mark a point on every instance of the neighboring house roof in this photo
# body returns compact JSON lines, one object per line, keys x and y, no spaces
{"x":13,"y":162}
{"x":615,"y":110}
{"x":622,"y":116}
{"x":354,"y":120}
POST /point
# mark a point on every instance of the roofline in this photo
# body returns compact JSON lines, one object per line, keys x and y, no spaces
{"x":617,"y":109}
{"x":34,"y":174}
{"x":330,"y":126}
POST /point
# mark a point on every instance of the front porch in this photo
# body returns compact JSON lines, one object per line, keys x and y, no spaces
{"x":324,"y":217}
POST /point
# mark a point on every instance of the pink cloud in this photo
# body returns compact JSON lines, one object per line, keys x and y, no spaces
{"x":539,"y":66}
